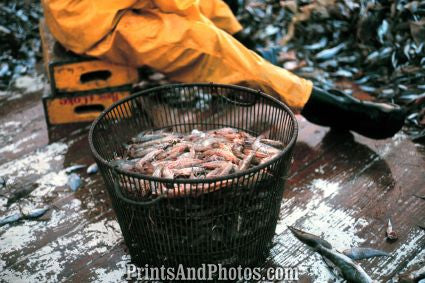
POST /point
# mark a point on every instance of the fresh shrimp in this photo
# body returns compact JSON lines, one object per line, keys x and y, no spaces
{"x":184,"y":162}
{"x":147,"y":158}
{"x":188,"y":171}
{"x":246,"y":162}
{"x":177,"y":150}
{"x":228,"y":155}
{"x":277,"y":144}
{"x":214,"y":164}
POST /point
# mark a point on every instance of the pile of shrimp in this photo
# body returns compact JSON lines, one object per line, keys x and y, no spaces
{"x":196,"y":155}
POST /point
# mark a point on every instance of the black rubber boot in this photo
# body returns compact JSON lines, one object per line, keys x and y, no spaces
{"x":341,"y":111}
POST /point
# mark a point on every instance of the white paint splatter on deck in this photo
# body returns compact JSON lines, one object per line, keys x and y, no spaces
{"x":419,"y":260}
{"x":326,"y":187}
{"x":52,"y":261}
{"x":112,"y":274}
{"x":41,"y":164}
{"x":17,"y":146}
{"x":18,"y":237}
{"x":320,"y":217}
{"x":409,"y":247}
{"x":2,"y":265}
{"x":49,"y":182}
{"x":38,"y":162}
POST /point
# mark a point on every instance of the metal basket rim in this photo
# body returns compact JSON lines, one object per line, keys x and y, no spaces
{"x":247,"y":172}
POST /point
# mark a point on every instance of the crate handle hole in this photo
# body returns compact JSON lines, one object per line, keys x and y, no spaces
{"x":95,"y":76}
{"x":84,"y":109}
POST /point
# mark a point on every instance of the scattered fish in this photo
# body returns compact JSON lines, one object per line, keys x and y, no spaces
{"x":349,"y":270}
{"x":74,"y":182}
{"x":363,"y":253}
{"x":92,"y":169}
{"x":309,"y":239}
{"x":36,"y":213}
{"x":331,"y":52}
{"x":73,"y":168}
{"x":383,"y":30}
{"x":10,"y":219}
{"x":391,"y":234}
{"x":420,"y":196}
{"x":384,"y":41}
{"x":318,"y":45}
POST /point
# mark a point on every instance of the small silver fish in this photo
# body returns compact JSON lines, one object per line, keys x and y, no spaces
{"x":10,"y":219}
{"x":351,"y":271}
{"x":329,"y":53}
{"x":348,"y":268}
{"x":73,"y":168}
{"x":92,"y":169}
{"x":421,"y":197}
{"x":391,"y":234}
{"x":309,"y":239}
{"x":322,"y":43}
{"x":74,"y":182}
{"x":363,"y":253}
{"x":382,"y":30}
{"x":36,"y":213}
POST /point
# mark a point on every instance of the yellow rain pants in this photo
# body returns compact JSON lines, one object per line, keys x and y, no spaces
{"x":188,"y":40}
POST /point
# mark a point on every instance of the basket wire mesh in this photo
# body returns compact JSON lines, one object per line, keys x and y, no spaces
{"x":228,"y":220}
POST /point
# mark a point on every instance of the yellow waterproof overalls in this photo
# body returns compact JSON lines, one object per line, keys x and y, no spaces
{"x":188,"y":40}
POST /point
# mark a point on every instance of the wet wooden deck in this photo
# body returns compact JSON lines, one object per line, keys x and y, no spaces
{"x":343,"y":187}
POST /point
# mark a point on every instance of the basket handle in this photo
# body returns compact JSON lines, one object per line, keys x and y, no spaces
{"x":126,"y":199}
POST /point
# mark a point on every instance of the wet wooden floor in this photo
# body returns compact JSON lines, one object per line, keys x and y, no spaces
{"x":343,"y":187}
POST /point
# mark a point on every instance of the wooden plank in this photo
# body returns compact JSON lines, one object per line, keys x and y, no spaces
{"x":353,"y":224}
{"x":22,"y":130}
{"x":341,"y":187}
{"x":342,"y":205}
{"x":111,"y":267}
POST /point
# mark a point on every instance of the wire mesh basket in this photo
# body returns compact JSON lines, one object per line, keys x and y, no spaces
{"x":228,"y":220}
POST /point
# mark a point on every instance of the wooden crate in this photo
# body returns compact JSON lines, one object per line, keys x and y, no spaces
{"x":69,"y":73}
{"x":79,"y":107}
